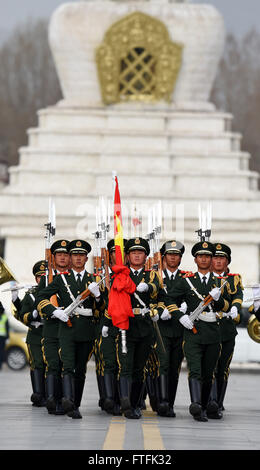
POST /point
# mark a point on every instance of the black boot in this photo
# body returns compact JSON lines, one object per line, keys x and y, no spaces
{"x":78,"y":392}
{"x":58,"y":396}
{"x":38,"y":386}
{"x":195,"y":406}
{"x":137,"y":391}
{"x":163,"y":405}
{"x":109,"y":402}
{"x":50,"y":393}
{"x":117,"y":406}
{"x":151,"y":390}
{"x":213,"y":411}
{"x":222,"y":387}
{"x":124,"y":394}
{"x":172,"y":389}
{"x":68,"y":393}
{"x":101,"y":390}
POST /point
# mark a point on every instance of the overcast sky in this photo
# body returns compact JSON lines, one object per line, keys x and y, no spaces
{"x":240,"y":15}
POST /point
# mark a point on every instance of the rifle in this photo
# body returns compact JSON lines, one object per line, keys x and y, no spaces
{"x":198,"y":310}
{"x":50,"y":232}
{"x":79,"y":301}
{"x":101,"y":257}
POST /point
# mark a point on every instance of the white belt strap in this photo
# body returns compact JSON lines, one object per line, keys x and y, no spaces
{"x":79,"y":310}
{"x":196,"y":292}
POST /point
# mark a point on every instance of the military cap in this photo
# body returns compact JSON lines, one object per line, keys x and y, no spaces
{"x":222,"y":250}
{"x":172,"y":246}
{"x":111,"y":245}
{"x":39,"y":268}
{"x":79,"y":246}
{"x":137,"y":243}
{"x":202,"y":248}
{"x":60,"y":246}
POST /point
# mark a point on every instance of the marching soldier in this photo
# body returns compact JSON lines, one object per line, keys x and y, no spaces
{"x":171,"y":330}
{"x":50,"y":341}
{"x":201,"y":339}
{"x":140,"y":335}
{"x":76,"y":334}
{"x":108,"y":351}
{"x":228,"y":321}
{"x":29,"y":315}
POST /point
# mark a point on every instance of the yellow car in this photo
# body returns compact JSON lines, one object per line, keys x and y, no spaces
{"x":16,"y":351}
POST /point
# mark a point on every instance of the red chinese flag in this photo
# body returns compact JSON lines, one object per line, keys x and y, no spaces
{"x":119,"y":305}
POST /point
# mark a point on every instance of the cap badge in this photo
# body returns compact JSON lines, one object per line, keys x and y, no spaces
{"x":205,"y":245}
{"x":63,"y":243}
{"x":173,"y":244}
{"x":137,"y":241}
{"x":219,"y":247}
{"x":42,"y":267}
{"x":78,"y":243}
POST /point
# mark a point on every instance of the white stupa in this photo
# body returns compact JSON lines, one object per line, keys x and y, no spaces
{"x":136,"y":78}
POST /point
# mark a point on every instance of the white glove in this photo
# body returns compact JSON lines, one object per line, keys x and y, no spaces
{"x":215,"y":293}
{"x":105,"y":331}
{"x":14,"y":293}
{"x":256,"y":305}
{"x":94,"y":289}
{"x":166,"y":315}
{"x":35,"y":313}
{"x":36,"y":324}
{"x":183,"y":308}
{"x":233,"y":312}
{"x":61,"y":315}
{"x":142,"y":287}
{"x":155,"y":318}
{"x":186,"y":322}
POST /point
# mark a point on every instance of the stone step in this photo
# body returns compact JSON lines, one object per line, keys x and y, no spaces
{"x":149,"y":120}
{"x":142,"y":184}
{"x":54,"y":159}
{"x":110,"y":141}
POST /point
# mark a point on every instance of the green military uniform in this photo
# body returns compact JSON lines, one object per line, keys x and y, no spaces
{"x":77,"y":336}
{"x":228,"y":330}
{"x":172,"y":336}
{"x":107,"y":349}
{"x":51,"y":345}
{"x":139,"y":336}
{"x":30,"y":317}
{"x":202,"y":348}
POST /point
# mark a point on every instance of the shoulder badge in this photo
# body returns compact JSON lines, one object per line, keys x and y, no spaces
{"x":188,"y":274}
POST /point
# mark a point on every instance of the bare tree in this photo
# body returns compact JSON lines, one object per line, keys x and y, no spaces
{"x":28,"y":82}
{"x":237,"y":90}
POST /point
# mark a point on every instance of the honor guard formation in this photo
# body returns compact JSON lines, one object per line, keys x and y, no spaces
{"x":173,"y":314}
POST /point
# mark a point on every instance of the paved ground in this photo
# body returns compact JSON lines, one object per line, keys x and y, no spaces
{"x":23,"y":427}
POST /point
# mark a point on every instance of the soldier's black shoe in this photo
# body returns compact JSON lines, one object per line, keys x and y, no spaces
{"x":163,"y":408}
{"x":133,"y":413}
{"x":212,"y":407}
{"x":195,"y":409}
{"x":170,"y":413}
{"x":59,"y":409}
{"x":38,"y":400}
{"x":216,"y":415}
{"x":75,"y":414}
{"x":201,"y":417}
{"x":50,"y":393}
